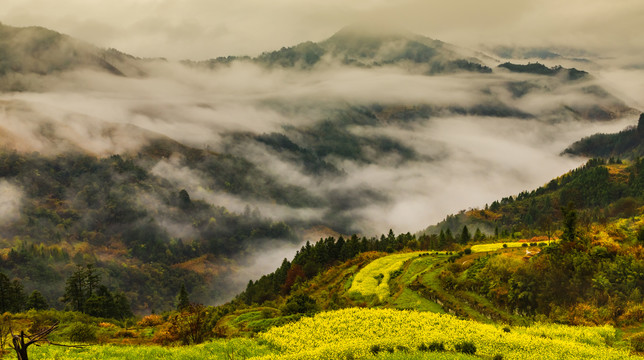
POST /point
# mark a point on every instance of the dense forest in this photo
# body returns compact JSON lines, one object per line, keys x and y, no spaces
{"x":115,"y":214}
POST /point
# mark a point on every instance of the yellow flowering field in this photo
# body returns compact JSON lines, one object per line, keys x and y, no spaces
{"x":373,"y":279}
{"x":499,"y":246}
{"x":351,"y":334}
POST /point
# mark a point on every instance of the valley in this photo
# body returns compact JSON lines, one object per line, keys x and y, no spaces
{"x":370,"y":194}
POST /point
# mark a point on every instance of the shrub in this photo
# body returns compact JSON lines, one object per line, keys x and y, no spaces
{"x":466,"y":347}
{"x":375,"y":349}
{"x":125,"y":334}
{"x":423,"y":347}
{"x":524,"y":245}
{"x":150,"y":320}
{"x":300,"y":304}
{"x":467,"y":251}
{"x":505,"y":246}
{"x":192,"y":325}
{"x":82,"y":332}
{"x":164,"y":336}
{"x":436,"y":346}
{"x":637,"y":342}
{"x":498,"y":357}
{"x":506,"y":329}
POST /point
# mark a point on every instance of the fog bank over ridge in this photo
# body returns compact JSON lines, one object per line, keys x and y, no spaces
{"x":200,"y":29}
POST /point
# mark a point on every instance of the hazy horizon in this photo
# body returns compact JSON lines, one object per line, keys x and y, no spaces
{"x":200,"y":29}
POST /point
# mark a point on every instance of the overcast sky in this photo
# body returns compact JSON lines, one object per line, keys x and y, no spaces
{"x":201,"y":29}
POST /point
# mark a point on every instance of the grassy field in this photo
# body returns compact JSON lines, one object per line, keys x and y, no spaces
{"x":221,"y":349}
{"x":373,"y":279}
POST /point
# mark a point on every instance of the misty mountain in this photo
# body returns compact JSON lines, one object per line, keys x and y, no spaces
{"x":26,"y":54}
{"x":540,"y":69}
{"x":627,"y":144}
{"x":364,"y":46}
{"x":145,"y":233}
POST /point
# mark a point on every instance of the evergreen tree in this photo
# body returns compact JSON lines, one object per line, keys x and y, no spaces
{"x":101,"y":304}
{"x":12,"y":297}
{"x":92,"y":279}
{"x":442,"y":240}
{"x":449,"y":238}
{"x":465,"y":235}
{"x":36,"y":301}
{"x":122,"y":307}
{"x":76,"y":290}
{"x":570,"y":224}
{"x":183,"y":302}
{"x":18,"y":297}
{"x":478,"y":235}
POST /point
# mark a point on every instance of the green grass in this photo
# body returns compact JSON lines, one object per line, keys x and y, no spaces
{"x":420,"y":266}
{"x":220,"y":349}
{"x":246,"y":317}
{"x":409,"y":299}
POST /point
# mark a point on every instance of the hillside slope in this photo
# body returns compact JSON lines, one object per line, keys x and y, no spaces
{"x":27,"y":54}
{"x":627,"y":144}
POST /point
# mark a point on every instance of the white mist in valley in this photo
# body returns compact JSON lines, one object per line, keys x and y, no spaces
{"x":465,"y":161}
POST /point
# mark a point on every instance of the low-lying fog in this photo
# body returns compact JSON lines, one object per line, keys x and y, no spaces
{"x":461,"y":161}
{"x":458,"y":162}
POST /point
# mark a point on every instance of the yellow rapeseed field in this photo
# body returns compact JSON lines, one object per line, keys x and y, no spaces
{"x":373,"y":279}
{"x":351,"y":333}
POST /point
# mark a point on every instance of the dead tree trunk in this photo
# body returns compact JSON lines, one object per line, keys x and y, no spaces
{"x":20,"y":346}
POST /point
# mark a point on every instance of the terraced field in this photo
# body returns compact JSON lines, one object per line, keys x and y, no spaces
{"x":373,"y":279}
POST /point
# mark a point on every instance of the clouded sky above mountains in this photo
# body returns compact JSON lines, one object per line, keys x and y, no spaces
{"x":201,"y":29}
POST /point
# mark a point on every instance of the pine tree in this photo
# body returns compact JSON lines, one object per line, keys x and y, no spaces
{"x":465,"y":235}
{"x":76,"y":290}
{"x":478,"y":235}
{"x":92,"y":279}
{"x":36,"y":301}
{"x":442,"y":241}
{"x":122,"y":306}
{"x":183,"y":302}
{"x":570,"y":224}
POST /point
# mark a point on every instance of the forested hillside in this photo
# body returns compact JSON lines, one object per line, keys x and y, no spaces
{"x":145,"y":236}
{"x":627,"y":144}
{"x":578,"y":263}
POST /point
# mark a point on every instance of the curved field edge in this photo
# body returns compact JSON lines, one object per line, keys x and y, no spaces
{"x":373,"y":279}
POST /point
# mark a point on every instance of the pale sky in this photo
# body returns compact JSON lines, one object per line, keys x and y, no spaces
{"x":202,"y":29}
